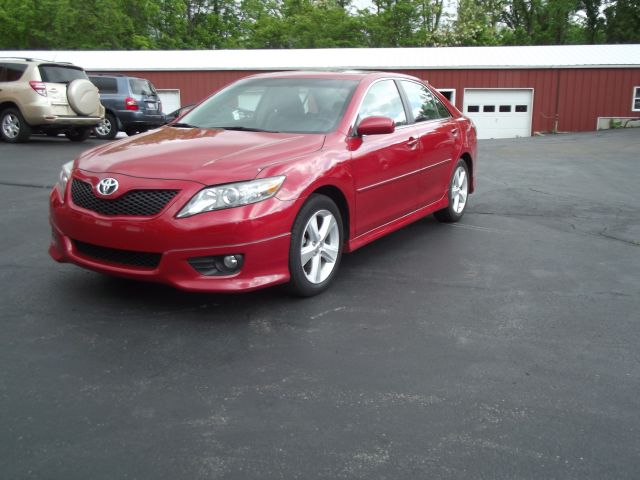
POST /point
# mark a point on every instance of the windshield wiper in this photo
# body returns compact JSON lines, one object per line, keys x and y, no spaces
{"x":182,"y":125}
{"x":246,"y":129}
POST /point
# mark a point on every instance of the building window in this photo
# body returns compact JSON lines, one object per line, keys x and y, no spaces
{"x":489,"y":108}
{"x":521,"y":108}
{"x":635,"y":105}
{"x":505,"y":108}
{"x":473,"y":108}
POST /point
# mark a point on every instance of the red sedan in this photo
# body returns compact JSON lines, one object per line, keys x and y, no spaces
{"x":268,"y":181}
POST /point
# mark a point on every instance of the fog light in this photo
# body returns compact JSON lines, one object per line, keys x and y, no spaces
{"x":231,"y":262}
{"x":217,"y":265}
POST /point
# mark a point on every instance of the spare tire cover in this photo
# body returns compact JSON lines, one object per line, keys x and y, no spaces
{"x":83,"y":96}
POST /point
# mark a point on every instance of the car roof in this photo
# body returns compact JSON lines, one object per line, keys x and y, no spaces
{"x":332,"y":74}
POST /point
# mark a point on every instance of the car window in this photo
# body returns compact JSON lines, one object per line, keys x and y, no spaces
{"x":140,"y":86}
{"x":292,"y":105}
{"x":105,"y":84}
{"x":10,"y":72}
{"x":60,"y":73}
{"x":424,"y":106}
{"x":442,"y":110}
{"x":383,"y":99}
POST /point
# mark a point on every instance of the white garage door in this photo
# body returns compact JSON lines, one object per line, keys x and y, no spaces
{"x":499,"y":113}
{"x":170,"y":100}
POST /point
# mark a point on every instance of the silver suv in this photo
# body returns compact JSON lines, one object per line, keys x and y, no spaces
{"x":38,"y":96}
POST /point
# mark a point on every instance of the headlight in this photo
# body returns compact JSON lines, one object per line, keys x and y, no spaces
{"x":231,"y":195}
{"x":63,"y":178}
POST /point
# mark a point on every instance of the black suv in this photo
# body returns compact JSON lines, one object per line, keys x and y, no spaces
{"x":132,"y":105}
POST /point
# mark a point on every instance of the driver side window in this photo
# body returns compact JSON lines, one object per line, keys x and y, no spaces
{"x":383,"y":99}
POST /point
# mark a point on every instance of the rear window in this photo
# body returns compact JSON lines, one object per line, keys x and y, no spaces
{"x":105,"y":84}
{"x":60,"y":73}
{"x":10,"y":72}
{"x":139,"y":86}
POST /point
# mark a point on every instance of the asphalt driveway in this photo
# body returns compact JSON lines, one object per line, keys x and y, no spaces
{"x":505,"y":346}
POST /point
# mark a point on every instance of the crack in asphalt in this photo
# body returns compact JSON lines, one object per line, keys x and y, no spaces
{"x":601,"y":234}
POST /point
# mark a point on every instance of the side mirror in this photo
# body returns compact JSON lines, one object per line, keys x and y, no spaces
{"x":376,"y":126}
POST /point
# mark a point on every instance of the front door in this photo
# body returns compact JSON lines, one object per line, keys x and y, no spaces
{"x":385,"y":165}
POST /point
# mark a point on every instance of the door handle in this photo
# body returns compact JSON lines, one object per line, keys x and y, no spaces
{"x":454,"y":132}
{"x":412,"y":142}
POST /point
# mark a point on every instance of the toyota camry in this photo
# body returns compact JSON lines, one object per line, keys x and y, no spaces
{"x":268,"y":181}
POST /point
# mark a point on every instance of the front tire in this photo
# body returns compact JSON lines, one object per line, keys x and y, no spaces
{"x":78,"y":134}
{"x":107,"y":129}
{"x":458,"y":194}
{"x":316,"y":246}
{"x":13,"y":127}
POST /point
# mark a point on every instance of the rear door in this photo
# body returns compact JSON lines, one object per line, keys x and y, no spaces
{"x":10,"y":73}
{"x":439,"y":138}
{"x":108,"y":88}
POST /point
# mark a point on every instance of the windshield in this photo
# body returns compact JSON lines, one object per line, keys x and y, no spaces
{"x":291,"y":105}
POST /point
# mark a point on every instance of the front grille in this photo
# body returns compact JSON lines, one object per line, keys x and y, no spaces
{"x":113,"y":255}
{"x":143,"y":203}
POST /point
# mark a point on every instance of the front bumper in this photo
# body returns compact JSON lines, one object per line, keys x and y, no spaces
{"x":260,"y":232}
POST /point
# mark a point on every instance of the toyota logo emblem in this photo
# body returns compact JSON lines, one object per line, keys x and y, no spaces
{"x":107,"y":186}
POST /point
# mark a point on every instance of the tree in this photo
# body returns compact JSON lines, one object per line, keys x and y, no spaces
{"x":622,"y":21}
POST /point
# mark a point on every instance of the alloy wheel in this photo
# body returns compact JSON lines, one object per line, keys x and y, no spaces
{"x":320,"y":246}
{"x":459,"y":190}
{"x":11,"y":125}
{"x":104,"y":127}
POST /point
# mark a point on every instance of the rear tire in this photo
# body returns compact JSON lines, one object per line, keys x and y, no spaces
{"x":78,"y":134}
{"x":13,"y":127}
{"x":458,"y":194}
{"x":130,"y":131}
{"x":316,"y":246}
{"x":107,"y":129}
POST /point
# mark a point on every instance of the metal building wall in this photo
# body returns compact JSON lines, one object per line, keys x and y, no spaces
{"x":578,"y":96}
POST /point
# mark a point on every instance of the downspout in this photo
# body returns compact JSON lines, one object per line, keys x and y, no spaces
{"x":556,"y":116}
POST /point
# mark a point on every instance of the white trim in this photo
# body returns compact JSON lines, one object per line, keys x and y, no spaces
{"x":453,"y":94}
{"x":634,"y":96}
{"x":464,"y":101}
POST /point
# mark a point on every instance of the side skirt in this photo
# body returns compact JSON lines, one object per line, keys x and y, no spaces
{"x":396,"y":224}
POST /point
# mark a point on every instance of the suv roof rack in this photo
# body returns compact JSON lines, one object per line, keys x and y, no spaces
{"x":26,"y":59}
{"x":32,"y":59}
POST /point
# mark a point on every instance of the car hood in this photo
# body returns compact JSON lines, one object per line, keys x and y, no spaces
{"x":207,"y":156}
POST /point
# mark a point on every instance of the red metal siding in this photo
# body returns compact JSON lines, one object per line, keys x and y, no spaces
{"x":583,"y":95}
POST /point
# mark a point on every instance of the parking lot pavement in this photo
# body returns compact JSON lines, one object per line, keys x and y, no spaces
{"x":505,"y":346}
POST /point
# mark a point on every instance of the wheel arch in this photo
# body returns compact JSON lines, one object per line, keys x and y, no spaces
{"x":466,"y":156}
{"x":119,"y":124}
{"x":10,"y":104}
{"x":339,"y":198}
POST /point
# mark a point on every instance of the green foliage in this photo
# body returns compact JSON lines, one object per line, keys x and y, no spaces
{"x":216,"y":24}
{"x":623,"y":22}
